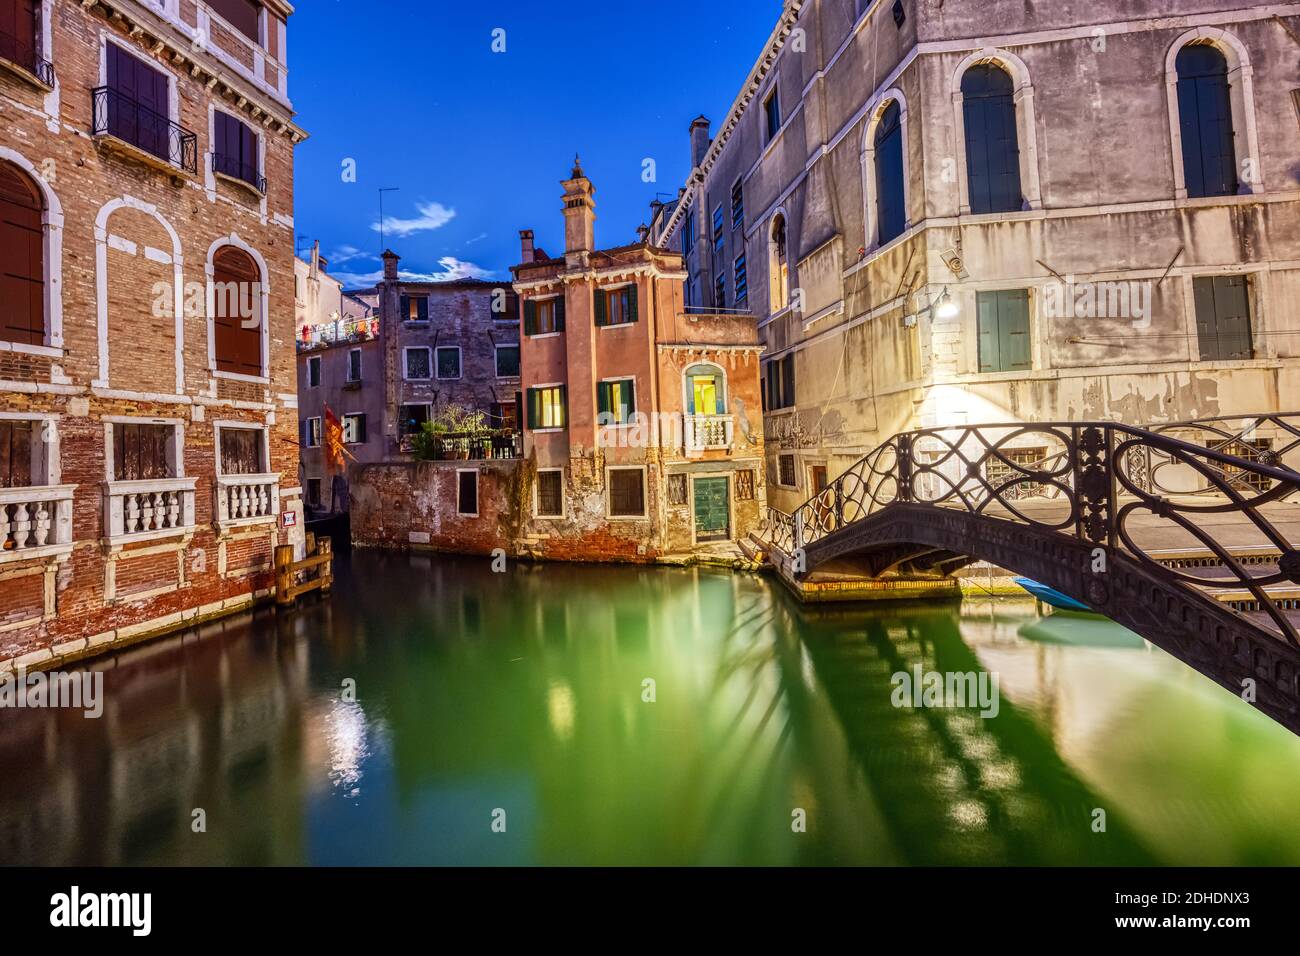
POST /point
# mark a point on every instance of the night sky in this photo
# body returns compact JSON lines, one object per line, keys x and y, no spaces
{"x":478,"y":141}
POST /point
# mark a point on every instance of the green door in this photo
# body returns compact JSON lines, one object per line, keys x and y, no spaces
{"x":712,"y":514}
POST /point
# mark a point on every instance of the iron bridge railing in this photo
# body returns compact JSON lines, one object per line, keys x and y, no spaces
{"x":1143,"y":491}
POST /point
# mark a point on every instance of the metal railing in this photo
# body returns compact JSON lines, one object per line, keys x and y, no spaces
{"x":17,"y":51}
{"x":232,"y":167}
{"x":1108,"y":484}
{"x":122,"y":117}
{"x":503,"y":445}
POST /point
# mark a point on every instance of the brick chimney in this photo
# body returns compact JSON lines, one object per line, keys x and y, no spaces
{"x":579,"y":211}
{"x":700,"y":140}
{"x":527,"y":250}
{"x":391,"y":259}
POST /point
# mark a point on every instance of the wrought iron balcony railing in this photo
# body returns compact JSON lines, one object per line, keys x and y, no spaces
{"x":232,"y":167}
{"x":503,"y":444}
{"x":25,"y":55}
{"x":118,"y":115}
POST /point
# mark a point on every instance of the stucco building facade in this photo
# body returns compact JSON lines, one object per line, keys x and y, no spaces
{"x":147,"y":400}
{"x":949,"y":212}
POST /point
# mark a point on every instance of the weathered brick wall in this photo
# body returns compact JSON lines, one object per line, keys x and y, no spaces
{"x":180,"y":577}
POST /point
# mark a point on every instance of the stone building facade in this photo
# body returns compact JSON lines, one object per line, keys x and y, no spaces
{"x":948,"y":211}
{"x":148,"y":413}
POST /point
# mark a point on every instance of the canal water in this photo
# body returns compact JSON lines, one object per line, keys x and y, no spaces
{"x":434,"y":712}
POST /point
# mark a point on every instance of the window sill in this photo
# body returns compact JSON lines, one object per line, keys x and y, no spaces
{"x":449,"y":378}
{"x":113,"y":144}
{"x":544,"y":335}
{"x":627,"y":517}
{"x":240,"y":377}
{"x":545,"y":431}
{"x":616,"y":325}
{"x":47,"y":351}
{"x":242,"y":185}
{"x":407,"y":378}
{"x":22,"y":73}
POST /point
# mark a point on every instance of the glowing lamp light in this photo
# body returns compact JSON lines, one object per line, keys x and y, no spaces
{"x":947,"y":306}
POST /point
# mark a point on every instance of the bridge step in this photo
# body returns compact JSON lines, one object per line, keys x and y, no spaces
{"x":1183,"y":559}
{"x":1284,"y":597}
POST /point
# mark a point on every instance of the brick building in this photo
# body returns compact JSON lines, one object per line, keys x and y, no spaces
{"x":147,"y":403}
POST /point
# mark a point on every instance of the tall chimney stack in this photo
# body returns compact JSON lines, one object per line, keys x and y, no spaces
{"x":700,"y":140}
{"x":579,"y":211}
{"x":390,"y":265}
{"x":527,"y":249}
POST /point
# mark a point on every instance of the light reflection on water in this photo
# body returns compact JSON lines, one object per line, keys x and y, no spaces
{"x":524,"y":699}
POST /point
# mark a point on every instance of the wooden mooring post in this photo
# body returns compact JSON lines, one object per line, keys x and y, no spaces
{"x":319,"y":563}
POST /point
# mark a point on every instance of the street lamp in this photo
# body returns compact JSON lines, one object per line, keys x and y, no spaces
{"x":946,"y":308}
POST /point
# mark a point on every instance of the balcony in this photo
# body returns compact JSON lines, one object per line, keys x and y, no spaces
{"x":20,"y":55}
{"x":148,"y":509}
{"x":708,"y":432}
{"x":35,"y":522}
{"x":140,"y":132}
{"x":247,"y":500}
{"x":501,"y":445}
{"x":229,"y":167}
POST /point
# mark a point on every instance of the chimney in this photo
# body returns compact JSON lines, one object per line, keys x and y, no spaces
{"x":526,"y":246}
{"x":315,"y":259}
{"x":579,"y":211}
{"x":642,"y":233}
{"x":700,"y":140}
{"x":391,"y":259}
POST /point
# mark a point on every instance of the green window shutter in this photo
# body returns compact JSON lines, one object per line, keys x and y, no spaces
{"x":534,"y":408}
{"x":787,"y":381}
{"x":405,"y":308}
{"x":989,"y":340}
{"x":602,"y":398}
{"x":1013,"y":327}
{"x":1207,"y":327}
{"x":600,"y":299}
{"x":530,"y":317}
{"x":1232,"y":310}
{"x":564,"y":406}
{"x":631,"y":397}
{"x":559,"y":314}
{"x":631,"y":304}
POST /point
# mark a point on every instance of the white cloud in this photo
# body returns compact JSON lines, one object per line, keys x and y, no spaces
{"x":348,"y":254}
{"x":452,"y":269}
{"x":433,"y":215}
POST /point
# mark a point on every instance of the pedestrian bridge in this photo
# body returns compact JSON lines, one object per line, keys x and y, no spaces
{"x":1186,"y":533}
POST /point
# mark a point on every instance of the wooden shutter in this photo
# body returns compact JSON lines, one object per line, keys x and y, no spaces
{"x":990,"y":342}
{"x":15,"y":454}
{"x":559,"y":314}
{"x":787,"y":381}
{"x":241,"y":451}
{"x":604,"y":404}
{"x":140,"y":451}
{"x":601,"y":302}
{"x":1205,"y":122}
{"x":22,"y":259}
{"x":534,"y":416}
{"x":631,"y":304}
{"x":530,"y":317}
{"x":1223,"y":318}
{"x":238,"y":338}
{"x":564,"y":406}
{"x":18,"y":32}
{"x":240,"y":14}
{"x":1003,"y":319}
{"x":891,"y":211}
{"x":992,"y":147}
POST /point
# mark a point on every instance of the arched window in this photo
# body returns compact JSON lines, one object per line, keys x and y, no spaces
{"x":706,"y":390}
{"x":1205,"y":121}
{"x":22,"y":258}
{"x":992,"y":146}
{"x":237,"y":312}
{"x":891,"y":210}
{"x":779,"y":270}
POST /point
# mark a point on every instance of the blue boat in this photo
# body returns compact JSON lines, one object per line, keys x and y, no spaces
{"x":1052,"y":597}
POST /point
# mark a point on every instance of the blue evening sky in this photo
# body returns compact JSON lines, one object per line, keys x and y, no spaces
{"x":477,"y":141}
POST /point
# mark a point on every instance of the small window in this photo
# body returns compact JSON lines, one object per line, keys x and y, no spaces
{"x":544,"y":316}
{"x":688,"y":230}
{"x":237,"y":312}
{"x":772,"y":112}
{"x":354,"y":429}
{"x":546,"y":407}
{"x":616,"y":306}
{"x":411,"y":420}
{"x":235,"y":150}
{"x":313,"y":372}
{"x":22,"y":262}
{"x":467,"y":493}
{"x":418,"y":363}
{"x":243,"y":451}
{"x":779,"y":382}
{"x":786,"y":473}
{"x":141,"y":451}
{"x":720,"y":291}
{"x":311,"y":433}
{"x":415,"y":308}
{"x":504,"y":415}
{"x":891,"y":186}
{"x":313,"y":492}
{"x":241,"y":14}
{"x":737,"y":204}
{"x":742,"y":279}
{"x":449,"y":361}
{"x":626,"y":493}
{"x":745,"y":485}
{"x":507,"y":361}
{"x":354,"y":365}
{"x":719,"y":229}
{"x":1205,"y":122}
{"x":1004,"y":331}
{"x":677,"y":489}
{"x":615,"y":401}
{"x":550,"y":494}
{"x":1223,"y":326}
{"x":16,"y":448}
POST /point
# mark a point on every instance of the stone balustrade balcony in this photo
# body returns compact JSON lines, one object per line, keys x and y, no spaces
{"x":708,"y":432}
{"x":246,"y":499}
{"x":152,"y":508}
{"x":35,"y":521}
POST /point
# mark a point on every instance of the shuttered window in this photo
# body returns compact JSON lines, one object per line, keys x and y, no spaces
{"x":543,"y":317}
{"x":235,"y":150}
{"x":615,"y":401}
{"x":626,"y":493}
{"x":992,"y":147}
{"x":1205,"y":122}
{"x":138,"y":104}
{"x":240,"y":14}
{"x":616,"y":306}
{"x":237,"y":306}
{"x":140,"y":451}
{"x":741,"y":279}
{"x":737,"y":203}
{"x":1223,"y":318}
{"x":780,"y":382}
{"x":467,"y":492}
{"x":772,"y":113}
{"x":550,"y":494}
{"x":22,"y":258}
{"x":1004,"y":331}
{"x":891,"y":212}
{"x":415,"y":308}
{"x":507,"y":361}
{"x":18,"y":20}
{"x":547,"y":407}
{"x":242,"y":451}
{"x":16,"y":454}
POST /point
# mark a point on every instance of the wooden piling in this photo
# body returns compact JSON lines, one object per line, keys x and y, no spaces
{"x":284,"y":574}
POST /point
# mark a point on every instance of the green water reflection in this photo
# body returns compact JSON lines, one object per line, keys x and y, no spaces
{"x":484,"y":696}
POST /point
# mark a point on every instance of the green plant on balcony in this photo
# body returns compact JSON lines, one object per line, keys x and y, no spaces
{"x":451,"y":434}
